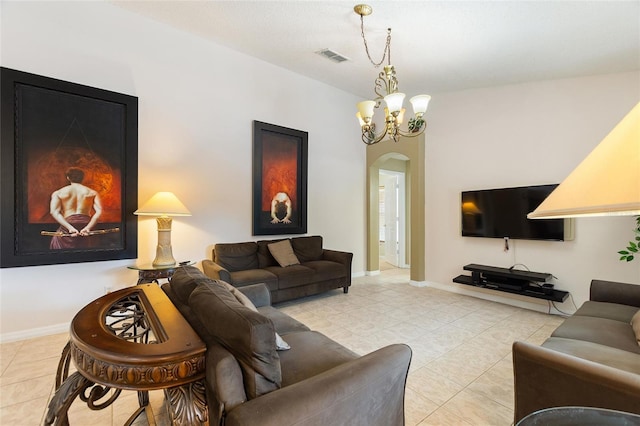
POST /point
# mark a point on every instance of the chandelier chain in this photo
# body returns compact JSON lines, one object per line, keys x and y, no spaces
{"x":387,"y":49}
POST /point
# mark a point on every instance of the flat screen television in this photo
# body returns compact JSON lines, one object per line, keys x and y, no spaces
{"x":500,"y":213}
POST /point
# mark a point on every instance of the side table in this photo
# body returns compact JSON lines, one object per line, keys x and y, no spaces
{"x":132,"y":339}
{"x":148,"y":273}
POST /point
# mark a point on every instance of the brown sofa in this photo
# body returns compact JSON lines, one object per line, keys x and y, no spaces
{"x":315,"y":382}
{"x":591,"y":360}
{"x":251,"y":262}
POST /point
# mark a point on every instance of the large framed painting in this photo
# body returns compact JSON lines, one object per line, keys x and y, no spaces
{"x":69,"y":157}
{"x":279,"y":180}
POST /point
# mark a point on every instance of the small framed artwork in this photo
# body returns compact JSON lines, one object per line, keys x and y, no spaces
{"x":69,"y":157}
{"x":279,"y":180}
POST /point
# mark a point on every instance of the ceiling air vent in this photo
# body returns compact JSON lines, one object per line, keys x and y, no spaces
{"x":334,"y":56}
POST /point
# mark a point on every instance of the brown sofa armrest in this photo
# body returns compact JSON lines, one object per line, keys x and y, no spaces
{"x":545,"y":378}
{"x":257,"y":293}
{"x":215,"y":271}
{"x":615,"y":292}
{"x":366,"y":391}
{"x":342,"y":257}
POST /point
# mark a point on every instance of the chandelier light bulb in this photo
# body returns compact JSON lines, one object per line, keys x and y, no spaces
{"x":394,"y":102}
{"x":420,"y":104}
{"x":365,"y":108}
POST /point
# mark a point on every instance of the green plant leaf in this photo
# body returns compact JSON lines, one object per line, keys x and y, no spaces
{"x":629,"y":258}
{"x":624,"y":252}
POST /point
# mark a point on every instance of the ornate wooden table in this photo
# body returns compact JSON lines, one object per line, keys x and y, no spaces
{"x":132,"y":339}
{"x":148,"y":273}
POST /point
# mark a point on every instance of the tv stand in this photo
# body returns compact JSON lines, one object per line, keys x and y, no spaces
{"x":515,"y":281}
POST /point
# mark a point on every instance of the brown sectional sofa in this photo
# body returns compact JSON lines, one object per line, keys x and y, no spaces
{"x":316,"y":382}
{"x":251,"y":262}
{"x":592,"y":359}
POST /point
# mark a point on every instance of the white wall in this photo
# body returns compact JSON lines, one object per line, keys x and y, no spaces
{"x":527,"y":134}
{"x":197,"y":101}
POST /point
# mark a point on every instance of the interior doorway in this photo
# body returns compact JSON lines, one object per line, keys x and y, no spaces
{"x":392,"y":222}
{"x":411,"y":153}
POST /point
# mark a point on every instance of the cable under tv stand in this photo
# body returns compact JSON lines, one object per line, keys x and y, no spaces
{"x":514,"y":281}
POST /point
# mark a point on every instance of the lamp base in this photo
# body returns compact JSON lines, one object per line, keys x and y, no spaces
{"x":164,"y":255}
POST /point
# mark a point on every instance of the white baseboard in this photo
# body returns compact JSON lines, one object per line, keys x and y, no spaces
{"x":357,"y":274}
{"x":372,"y":273}
{"x":418,"y":283}
{"x":34,"y":332}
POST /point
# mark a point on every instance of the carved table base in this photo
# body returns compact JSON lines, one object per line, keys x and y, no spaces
{"x":132,"y":339}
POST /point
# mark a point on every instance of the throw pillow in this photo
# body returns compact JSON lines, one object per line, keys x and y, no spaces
{"x":248,"y":335}
{"x":635,"y":324}
{"x":281,"y":345}
{"x":283,"y":253}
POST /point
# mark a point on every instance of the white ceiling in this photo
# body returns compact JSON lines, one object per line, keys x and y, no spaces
{"x":437,"y":46}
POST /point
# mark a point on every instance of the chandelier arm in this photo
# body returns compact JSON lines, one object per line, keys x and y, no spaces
{"x":411,"y":134}
{"x":371,"y":141}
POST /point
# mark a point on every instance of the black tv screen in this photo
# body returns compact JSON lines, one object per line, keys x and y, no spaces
{"x":499,"y":213}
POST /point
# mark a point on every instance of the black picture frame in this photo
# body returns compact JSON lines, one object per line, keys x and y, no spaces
{"x":47,"y":127}
{"x":279,"y":180}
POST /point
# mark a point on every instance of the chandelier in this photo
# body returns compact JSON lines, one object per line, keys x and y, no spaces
{"x":386,"y":88}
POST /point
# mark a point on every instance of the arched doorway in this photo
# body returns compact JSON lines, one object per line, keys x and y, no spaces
{"x":410,"y":150}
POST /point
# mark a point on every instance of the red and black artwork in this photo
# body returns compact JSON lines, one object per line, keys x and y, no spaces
{"x":69,"y":153}
{"x":279,"y":180}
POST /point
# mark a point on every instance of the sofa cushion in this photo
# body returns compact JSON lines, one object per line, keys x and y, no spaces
{"x":264,"y":255}
{"x":614,"y":311}
{"x":635,"y":325}
{"x":254,"y":276}
{"x":607,"y":332}
{"x":237,"y":256}
{"x":326,"y":270}
{"x":248,"y":335}
{"x":311,"y":353}
{"x":282,"y":252}
{"x":595,"y":352}
{"x":293,"y":276}
{"x":307,"y":248}
{"x":184,"y":281}
{"x":187,"y":313}
{"x":281,"y":345}
{"x":283,"y":323}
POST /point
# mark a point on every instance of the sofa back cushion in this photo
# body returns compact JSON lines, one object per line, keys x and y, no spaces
{"x":307,"y":248}
{"x":248,"y":335}
{"x":184,"y":280}
{"x":265,"y":258}
{"x":236,"y":256}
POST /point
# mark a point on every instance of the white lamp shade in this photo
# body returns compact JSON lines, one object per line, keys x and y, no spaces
{"x":163,"y":204}
{"x":394,"y":101}
{"x":420,"y":103}
{"x":607,"y":182}
{"x":365,"y":108}
{"x":360,"y":120}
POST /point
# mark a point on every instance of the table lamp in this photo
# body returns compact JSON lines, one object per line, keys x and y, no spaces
{"x":163,"y":205}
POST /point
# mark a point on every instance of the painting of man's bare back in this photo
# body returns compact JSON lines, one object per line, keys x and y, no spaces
{"x":74,"y":152}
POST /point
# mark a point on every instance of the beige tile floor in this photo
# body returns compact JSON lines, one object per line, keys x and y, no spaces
{"x":461,"y":372}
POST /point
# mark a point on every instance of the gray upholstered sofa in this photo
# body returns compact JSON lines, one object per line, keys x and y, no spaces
{"x":252,"y":262}
{"x":592,"y":359}
{"x":315,"y":382}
